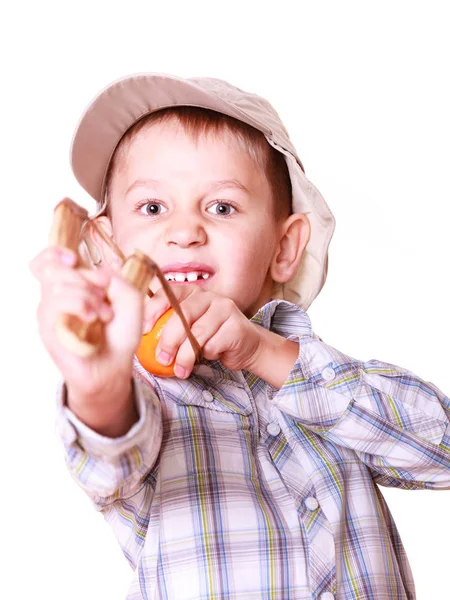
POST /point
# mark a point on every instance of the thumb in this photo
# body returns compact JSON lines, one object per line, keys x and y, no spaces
{"x":128,"y":306}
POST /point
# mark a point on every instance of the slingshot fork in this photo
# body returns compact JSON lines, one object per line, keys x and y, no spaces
{"x":70,"y":223}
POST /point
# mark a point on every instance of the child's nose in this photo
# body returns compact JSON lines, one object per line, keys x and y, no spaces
{"x":185,"y":231}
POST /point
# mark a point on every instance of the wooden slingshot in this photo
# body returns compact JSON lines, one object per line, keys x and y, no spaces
{"x":70,"y":223}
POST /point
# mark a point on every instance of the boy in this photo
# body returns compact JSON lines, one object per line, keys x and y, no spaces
{"x":251,"y":474}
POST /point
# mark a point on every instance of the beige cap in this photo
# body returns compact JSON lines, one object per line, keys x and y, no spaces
{"x":121,"y":104}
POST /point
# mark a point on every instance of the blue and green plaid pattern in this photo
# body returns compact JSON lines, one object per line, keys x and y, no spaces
{"x":248,"y":492}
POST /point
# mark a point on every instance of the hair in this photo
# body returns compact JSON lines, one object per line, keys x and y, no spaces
{"x":197,"y":122}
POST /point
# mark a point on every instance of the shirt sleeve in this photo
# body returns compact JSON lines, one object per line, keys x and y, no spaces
{"x":109,"y":469}
{"x":397,"y":424}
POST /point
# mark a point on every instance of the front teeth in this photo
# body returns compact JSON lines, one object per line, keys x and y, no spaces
{"x":182,"y":277}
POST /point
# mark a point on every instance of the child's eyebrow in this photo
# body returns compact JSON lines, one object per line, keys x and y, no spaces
{"x":226,"y":183}
{"x":143,"y":183}
{"x":213,"y":186}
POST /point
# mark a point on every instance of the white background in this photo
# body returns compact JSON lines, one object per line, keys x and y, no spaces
{"x":363,"y":89}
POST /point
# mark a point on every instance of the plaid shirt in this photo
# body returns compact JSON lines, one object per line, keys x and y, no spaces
{"x":227,"y":488}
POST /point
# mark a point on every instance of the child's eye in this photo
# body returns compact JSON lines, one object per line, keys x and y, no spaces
{"x":221,"y":208}
{"x":151,"y":208}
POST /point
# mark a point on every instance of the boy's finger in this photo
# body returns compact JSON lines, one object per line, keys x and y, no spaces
{"x":94,"y":295}
{"x":145,"y":327}
{"x":185,"y":360}
{"x":55,"y":274}
{"x":174,"y":341}
{"x":100,"y":277}
{"x":51,"y":255}
{"x":174,"y":332}
{"x":156,"y":306}
{"x":78,"y":302}
{"x":123,"y":294}
{"x":56,"y":262}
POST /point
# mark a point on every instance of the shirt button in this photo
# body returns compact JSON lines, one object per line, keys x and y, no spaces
{"x":327,"y":596}
{"x":273,"y":429}
{"x":207,"y":396}
{"x":328,"y":374}
{"x":312,"y":504}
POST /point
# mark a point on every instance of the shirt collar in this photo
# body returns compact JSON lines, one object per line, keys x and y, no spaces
{"x":284,"y":318}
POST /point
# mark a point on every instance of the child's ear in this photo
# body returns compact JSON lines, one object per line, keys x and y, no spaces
{"x":294,"y":236}
{"x":98,"y":246}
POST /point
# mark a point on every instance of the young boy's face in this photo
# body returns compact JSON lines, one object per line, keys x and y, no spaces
{"x":197,"y":208}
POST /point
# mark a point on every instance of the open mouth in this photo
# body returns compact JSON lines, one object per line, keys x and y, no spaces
{"x":187,"y":277}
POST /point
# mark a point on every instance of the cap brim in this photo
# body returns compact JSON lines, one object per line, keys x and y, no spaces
{"x":119,"y":106}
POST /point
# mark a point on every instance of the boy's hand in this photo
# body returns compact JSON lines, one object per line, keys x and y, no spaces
{"x":89,"y":294}
{"x":222,"y":330}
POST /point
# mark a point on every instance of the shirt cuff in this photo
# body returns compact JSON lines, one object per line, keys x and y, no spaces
{"x":72,"y":430}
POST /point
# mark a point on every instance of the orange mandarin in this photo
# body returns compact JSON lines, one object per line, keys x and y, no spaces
{"x":146,"y":350}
